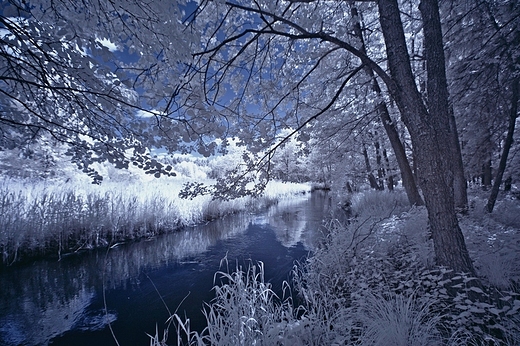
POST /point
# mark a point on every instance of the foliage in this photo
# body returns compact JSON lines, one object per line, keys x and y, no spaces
{"x":492,"y":239}
{"x":91,"y":77}
{"x":375,"y":204}
{"x":482,"y":47}
{"x":393,"y":261}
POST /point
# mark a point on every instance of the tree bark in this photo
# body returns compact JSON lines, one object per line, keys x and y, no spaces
{"x":380,"y":169}
{"x":429,"y":129}
{"x":460,"y":184}
{"x":487,"y":174}
{"x":371,"y":178}
{"x":407,"y":176}
{"x":507,"y":146}
{"x":438,"y":97}
{"x":389,"y":173}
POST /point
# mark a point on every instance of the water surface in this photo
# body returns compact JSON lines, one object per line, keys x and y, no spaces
{"x":132,"y":286}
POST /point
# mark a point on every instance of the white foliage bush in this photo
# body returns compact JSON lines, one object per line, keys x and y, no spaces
{"x":378,"y":204}
{"x":492,"y":240}
{"x":191,"y":170}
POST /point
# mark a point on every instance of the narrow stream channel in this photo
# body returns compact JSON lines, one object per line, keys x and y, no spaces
{"x":51,"y":302}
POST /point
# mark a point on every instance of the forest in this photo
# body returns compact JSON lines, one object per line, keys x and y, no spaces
{"x":404,"y":109}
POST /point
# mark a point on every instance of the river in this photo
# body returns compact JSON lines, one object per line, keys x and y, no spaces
{"x":72,"y":301}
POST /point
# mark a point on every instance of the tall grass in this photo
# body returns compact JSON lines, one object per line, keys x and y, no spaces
{"x":246,"y":311}
{"x":39,"y":218}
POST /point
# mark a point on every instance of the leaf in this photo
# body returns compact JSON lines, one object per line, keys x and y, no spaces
{"x":514,"y":309}
{"x":494,"y":311}
{"x":476,"y":289}
{"x":476,"y":310}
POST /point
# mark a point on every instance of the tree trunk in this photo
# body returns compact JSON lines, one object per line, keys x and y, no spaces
{"x":487,"y":174}
{"x":507,"y":146}
{"x":371,"y":178}
{"x":438,"y":97}
{"x":460,"y":185}
{"x":429,"y":129}
{"x":380,"y":169}
{"x":407,"y":176}
{"x":389,"y":172}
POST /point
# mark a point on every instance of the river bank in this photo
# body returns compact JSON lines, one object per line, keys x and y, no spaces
{"x":56,"y":218}
{"x":374,"y":281}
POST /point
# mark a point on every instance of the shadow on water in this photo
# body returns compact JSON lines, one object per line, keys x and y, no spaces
{"x":61,"y":303}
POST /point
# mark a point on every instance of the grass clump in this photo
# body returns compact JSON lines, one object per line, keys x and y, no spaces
{"x":399,"y":320}
{"x":246,"y":311}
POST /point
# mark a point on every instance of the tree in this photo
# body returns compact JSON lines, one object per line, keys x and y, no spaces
{"x":287,"y":160}
{"x":484,"y":40}
{"x":507,"y":146}
{"x":389,"y":125}
{"x":266,"y":44}
{"x":241,"y":83}
{"x":429,"y":127}
{"x":36,"y":159}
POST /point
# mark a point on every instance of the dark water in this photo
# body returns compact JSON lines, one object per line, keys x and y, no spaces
{"x":63,"y":303}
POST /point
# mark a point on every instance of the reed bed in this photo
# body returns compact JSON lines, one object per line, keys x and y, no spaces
{"x":38,"y":218}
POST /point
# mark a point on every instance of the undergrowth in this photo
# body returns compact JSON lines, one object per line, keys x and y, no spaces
{"x":372,"y":282}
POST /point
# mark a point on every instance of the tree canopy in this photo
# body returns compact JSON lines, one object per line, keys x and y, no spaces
{"x":96,"y":75}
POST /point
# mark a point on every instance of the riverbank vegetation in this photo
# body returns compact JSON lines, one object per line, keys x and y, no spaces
{"x":69,"y":214}
{"x":374,"y":282}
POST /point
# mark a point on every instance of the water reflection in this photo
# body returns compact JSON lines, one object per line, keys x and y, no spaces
{"x":291,"y":223}
{"x":50,"y":302}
